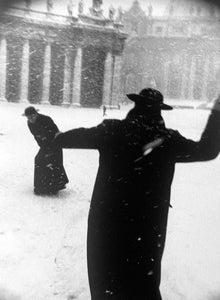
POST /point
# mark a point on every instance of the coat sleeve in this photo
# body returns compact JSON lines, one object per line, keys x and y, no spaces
{"x":90,"y":138}
{"x":186,"y":150}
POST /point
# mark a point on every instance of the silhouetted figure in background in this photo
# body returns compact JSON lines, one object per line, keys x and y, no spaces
{"x":129,"y":208}
{"x":104,"y":110}
{"x":49,"y":173}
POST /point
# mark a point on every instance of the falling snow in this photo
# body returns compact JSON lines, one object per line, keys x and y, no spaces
{"x":43,"y":239}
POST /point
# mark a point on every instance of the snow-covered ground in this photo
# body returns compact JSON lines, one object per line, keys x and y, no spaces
{"x":43,"y":239}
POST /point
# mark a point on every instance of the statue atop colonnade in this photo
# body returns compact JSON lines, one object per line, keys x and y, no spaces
{"x":96,"y":9}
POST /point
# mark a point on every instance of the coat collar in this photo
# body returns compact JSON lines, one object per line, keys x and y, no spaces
{"x":146,"y":120}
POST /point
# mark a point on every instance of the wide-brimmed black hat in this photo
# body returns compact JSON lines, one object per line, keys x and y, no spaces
{"x":149,"y":98}
{"x":30,"y":110}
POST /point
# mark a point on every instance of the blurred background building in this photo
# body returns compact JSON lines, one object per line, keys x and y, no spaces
{"x":83,"y":57}
{"x":178,"y":53}
{"x":58,"y":59}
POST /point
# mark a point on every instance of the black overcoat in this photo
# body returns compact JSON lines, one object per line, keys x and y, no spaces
{"x":130,"y":202}
{"x":49,"y":173}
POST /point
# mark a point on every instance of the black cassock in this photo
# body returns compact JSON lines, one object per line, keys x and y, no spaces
{"x":130,"y":202}
{"x":49,"y":173}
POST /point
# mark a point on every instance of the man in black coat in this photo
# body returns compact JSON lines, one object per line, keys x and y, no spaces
{"x":49,"y":173}
{"x":131,"y":198}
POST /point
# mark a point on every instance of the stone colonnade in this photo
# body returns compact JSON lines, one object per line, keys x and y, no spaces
{"x":197,"y":77}
{"x":186,"y":69}
{"x":45,"y":72}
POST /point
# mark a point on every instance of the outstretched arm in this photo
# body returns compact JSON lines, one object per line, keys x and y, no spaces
{"x":104,"y":135}
{"x":186,"y":150}
{"x":80,"y":138}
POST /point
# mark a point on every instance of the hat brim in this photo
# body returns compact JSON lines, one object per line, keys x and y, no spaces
{"x":23,"y":115}
{"x":137,"y":98}
{"x":166,"y":106}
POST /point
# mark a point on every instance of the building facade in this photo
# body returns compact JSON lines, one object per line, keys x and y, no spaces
{"x":48,"y":58}
{"x":178,"y":54}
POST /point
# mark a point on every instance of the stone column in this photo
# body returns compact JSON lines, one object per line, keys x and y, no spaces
{"x":25,"y":72}
{"x":67,"y":80}
{"x":46,"y":75}
{"x":77,"y":78}
{"x":3,"y":63}
{"x":116,"y":86}
{"x":192,"y":78}
{"x":166,"y":79}
{"x":107,"y":84}
{"x":205,"y":78}
{"x":184,"y":77}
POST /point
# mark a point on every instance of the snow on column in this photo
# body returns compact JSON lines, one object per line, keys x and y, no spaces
{"x":46,"y":75}
{"x":107,"y":79}
{"x":205,"y":78}
{"x":3,"y":62}
{"x":25,"y":72}
{"x":77,"y":77}
{"x":192,"y":78}
{"x":67,"y":81}
{"x":116,"y":84}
